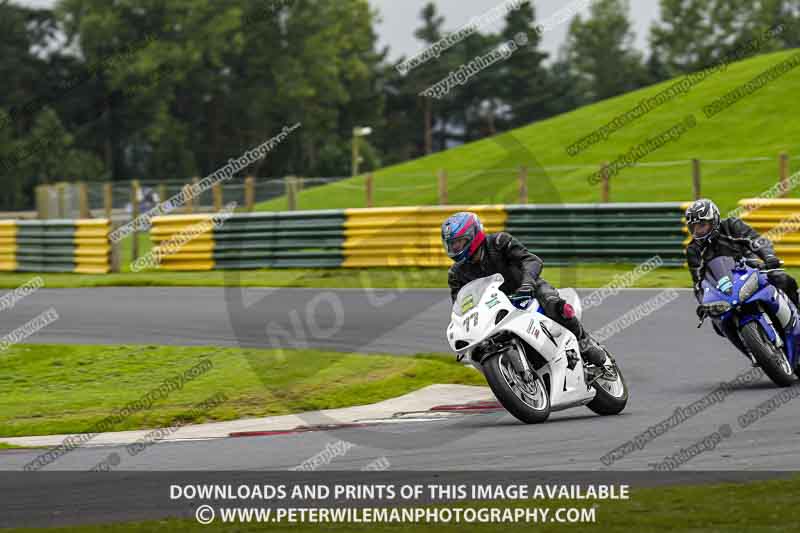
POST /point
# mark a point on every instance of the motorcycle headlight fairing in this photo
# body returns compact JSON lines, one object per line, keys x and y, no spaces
{"x":717,"y":308}
{"x":749,"y":288}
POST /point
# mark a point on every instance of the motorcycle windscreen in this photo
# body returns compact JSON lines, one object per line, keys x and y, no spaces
{"x":471,"y":294}
{"x":718,"y":269}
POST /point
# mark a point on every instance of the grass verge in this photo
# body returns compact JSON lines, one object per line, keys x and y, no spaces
{"x":581,"y":277}
{"x":5,"y":446}
{"x":54,"y":389}
{"x":756,"y":507}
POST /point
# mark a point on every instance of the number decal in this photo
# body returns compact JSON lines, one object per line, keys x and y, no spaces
{"x":474,"y":318}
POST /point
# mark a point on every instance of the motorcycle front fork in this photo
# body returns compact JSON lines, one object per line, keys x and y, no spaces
{"x":742,"y":347}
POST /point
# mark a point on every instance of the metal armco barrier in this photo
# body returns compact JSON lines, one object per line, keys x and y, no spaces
{"x":779,"y":221}
{"x":295,"y":239}
{"x":81,"y":246}
{"x":410,"y":236}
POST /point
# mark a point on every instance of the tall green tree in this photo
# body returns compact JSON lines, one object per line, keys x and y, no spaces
{"x":524,"y":79}
{"x":564,"y":88}
{"x":474,"y":110}
{"x":26,"y":73}
{"x":695,"y":34}
{"x":430,"y":32}
{"x":236,"y":73}
{"x":32,"y":70}
{"x":600,"y":51}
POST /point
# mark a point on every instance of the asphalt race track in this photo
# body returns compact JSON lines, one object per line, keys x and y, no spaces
{"x":667,"y":362}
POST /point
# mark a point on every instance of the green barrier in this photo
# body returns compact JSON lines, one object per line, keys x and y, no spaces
{"x":57,"y":246}
{"x":297,"y":239}
{"x":45,"y":246}
{"x":628,"y":233}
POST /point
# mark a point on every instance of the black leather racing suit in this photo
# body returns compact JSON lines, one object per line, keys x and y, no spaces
{"x":735,"y":239}
{"x":504,"y":254}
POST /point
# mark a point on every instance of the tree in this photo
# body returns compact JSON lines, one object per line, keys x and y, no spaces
{"x":25,"y":76}
{"x":429,"y":33}
{"x":600,"y":51}
{"x":695,"y":34}
{"x":45,"y":155}
{"x":29,"y":71}
{"x":236,"y":74}
{"x":523,"y":79}
{"x":784,"y":13}
{"x":564,"y":88}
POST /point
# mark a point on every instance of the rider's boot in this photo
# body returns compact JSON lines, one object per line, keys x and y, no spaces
{"x":590,"y":350}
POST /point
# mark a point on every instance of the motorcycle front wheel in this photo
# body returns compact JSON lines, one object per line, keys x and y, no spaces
{"x":528,"y":402}
{"x":771,"y":359}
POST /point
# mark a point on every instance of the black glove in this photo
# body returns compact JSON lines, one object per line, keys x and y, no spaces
{"x":525,"y":291}
{"x":701,"y":313}
{"x":771,"y":262}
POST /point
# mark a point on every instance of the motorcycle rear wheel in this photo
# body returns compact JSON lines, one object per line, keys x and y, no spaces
{"x":528,"y":402}
{"x":611,"y":396}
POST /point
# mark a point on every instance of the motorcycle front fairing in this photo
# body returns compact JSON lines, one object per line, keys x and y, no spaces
{"x":482,"y":311}
{"x":725,"y":282}
{"x":718,"y":269}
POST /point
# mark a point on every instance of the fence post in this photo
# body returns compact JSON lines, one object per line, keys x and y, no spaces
{"x":187,"y":193}
{"x":216,"y":191}
{"x":162,"y":193}
{"x":108,"y":199}
{"x":115,"y":257}
{"x":134,"y":216}
{"x":696,"y":178}
{"x":291,"y":192}
{"x":43,"y":201}
{"x":523,"y":184}
{"x":784,"y":174}
{"x":83,"y":200}
{"x":605,"y":191}
{"x":198,"y":202}
{"x":442,"y":187}
{"x":249,"y":193}
{"x":369,"y":185}
{"x":61,"y":199}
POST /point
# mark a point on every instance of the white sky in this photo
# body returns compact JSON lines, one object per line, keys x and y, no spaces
{"x":401,"y":17}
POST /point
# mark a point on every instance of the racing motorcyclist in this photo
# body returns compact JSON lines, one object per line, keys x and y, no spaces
{"x":478,"y":255}
{"x":712,"y":237}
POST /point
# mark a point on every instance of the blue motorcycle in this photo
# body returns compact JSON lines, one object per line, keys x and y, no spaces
{"x":758,"y":318}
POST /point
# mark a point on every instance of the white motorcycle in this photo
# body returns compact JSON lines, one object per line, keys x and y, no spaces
{"x":533,"y":364}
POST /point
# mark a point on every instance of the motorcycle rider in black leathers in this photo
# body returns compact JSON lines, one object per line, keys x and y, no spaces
{"x":712,"y":237}
{"x":478,"y":255}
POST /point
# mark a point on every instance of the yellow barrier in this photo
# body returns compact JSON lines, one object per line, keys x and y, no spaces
{"x":196,"y":255}
{"x":406,"y":236}
{"x":8,"y":245}
{"x":92,"y":246}
{"x":779,"y":221}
